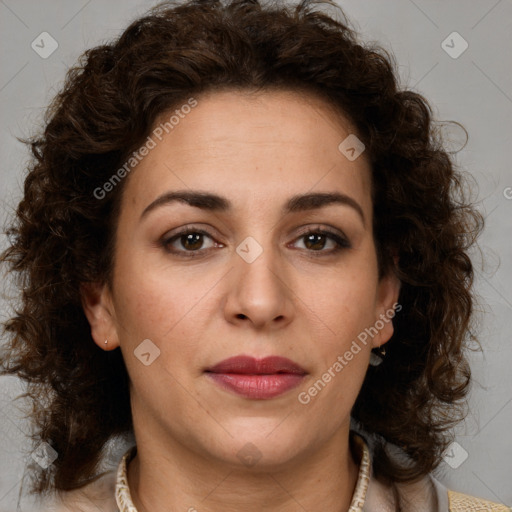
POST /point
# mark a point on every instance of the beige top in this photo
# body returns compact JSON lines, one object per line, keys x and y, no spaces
{"x":111,"y":492}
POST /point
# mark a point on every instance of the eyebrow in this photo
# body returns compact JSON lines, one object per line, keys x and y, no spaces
{"x":215,"y":203}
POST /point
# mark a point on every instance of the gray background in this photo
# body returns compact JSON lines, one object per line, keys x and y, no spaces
{"x":475,"y":89}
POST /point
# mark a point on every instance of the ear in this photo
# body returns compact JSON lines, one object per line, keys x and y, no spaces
{"x":99,"y":310}
{"x":386,"y":307}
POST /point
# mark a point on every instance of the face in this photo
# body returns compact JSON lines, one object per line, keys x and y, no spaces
{"x":256,"y":276}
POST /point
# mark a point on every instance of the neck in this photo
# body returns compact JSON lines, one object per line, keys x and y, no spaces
{"x":178,"y":478}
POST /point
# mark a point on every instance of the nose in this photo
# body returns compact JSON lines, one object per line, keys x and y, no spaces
{"x":259,"y":292}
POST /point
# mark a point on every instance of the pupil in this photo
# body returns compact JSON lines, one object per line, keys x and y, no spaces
{"x":189,"y":241}
{"x":317,"y":244}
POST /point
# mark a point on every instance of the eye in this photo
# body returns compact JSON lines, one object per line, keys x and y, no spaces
{"x":188,"y":242}
{"x":315,"y":240}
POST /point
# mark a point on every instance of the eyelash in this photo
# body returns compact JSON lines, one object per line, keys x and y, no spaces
{"x":341,"y":242}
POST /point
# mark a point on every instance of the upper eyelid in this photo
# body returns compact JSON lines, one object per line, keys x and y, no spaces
{"x":306,"y":228}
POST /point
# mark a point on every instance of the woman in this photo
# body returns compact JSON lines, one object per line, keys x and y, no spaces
{"x":243,"y":243}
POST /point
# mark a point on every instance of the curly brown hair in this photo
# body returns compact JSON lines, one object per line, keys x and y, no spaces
{"x":63,"y":235}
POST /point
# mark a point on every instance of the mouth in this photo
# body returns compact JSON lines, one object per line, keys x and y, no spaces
{"x":248,"y":365}
{"x":257,"y":379}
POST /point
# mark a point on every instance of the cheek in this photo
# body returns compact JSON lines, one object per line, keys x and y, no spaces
{"x":341,"y":351}
{"x":345,"y":303}
{"x":154,"y":307}
{"x":166,"y":306}
{"x":153,"y":310}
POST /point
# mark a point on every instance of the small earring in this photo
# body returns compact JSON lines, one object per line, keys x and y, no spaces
{"x":377,"y":358}
{"x":106,"y":341}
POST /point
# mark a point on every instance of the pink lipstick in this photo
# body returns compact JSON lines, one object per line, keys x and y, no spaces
{"x":257,"y":379}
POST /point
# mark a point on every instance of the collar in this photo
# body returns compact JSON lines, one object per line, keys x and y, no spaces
{"x":125,"y":503}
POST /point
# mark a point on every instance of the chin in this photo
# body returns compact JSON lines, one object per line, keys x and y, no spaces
{"x":261,"y":444}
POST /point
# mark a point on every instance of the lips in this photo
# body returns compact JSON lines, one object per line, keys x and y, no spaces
{"x":247,"y":365}
{"x":257,"y":379}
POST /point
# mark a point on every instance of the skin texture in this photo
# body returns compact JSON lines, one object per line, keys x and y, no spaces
{"x":256,"y":150}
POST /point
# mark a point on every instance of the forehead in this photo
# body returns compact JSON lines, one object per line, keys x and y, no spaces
{"x":270,"y":143}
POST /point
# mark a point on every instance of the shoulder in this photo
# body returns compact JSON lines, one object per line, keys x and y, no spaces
{"x":459,"y":502}
{"x":96,"y":496}
{"x":421,"y":496}
{"x":426,"y":495}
